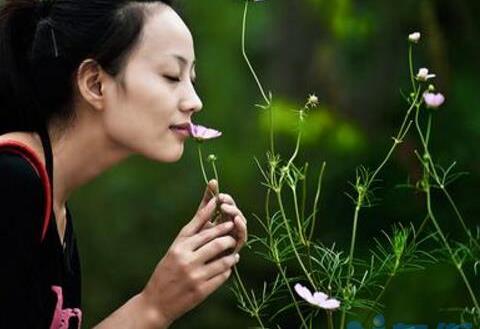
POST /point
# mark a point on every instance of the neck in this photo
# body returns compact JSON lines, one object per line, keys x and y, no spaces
{"x":80,"y":153}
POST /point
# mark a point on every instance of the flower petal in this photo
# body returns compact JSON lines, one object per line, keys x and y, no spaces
{"x":201,"y":133}
{"x":330,"y":304}
{"x":319,"y":297}
{"x":304,"y":293}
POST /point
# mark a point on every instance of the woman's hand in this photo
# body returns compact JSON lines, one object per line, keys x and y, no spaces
{"x":191,"y":269}
{"x":230,"y":212}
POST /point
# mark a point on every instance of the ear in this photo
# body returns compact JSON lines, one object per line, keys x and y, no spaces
{"x":90,"y":82}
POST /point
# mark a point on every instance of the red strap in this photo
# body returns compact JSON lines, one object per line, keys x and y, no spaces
{"x":26,"y":152}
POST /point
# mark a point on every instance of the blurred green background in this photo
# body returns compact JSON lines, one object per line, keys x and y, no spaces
{"x":353,"y":56}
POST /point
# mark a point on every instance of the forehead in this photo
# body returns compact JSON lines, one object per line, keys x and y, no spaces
{"x":164,"y":34}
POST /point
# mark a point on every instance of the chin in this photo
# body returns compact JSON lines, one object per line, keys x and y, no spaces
{"x":170,"y":156}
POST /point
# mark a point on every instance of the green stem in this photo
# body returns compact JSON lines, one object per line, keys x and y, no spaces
{"x":330,"y":320}
{"x":315,"y":203}
{"x":216,"y":175}
{"x":245,"y":293}
{"x":244,"y":28}
{"x":457,"y":264}
{"x":390,"y":278}
{"x":292,"y":295}
{"x":459,"y":216}
{"x":304,"y":191}
{"x":257,"y":80}
{"x":297,"y":214}
{"x":292,"y":241}
{"x":200,"y":156}
{"x":410,"y":64}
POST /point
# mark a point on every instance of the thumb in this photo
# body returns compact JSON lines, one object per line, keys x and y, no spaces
{"x":210,"y":191}
{"x":202,"y":216}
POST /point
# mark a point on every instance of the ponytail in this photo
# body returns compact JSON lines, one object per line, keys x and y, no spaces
{"x":18,"y":20}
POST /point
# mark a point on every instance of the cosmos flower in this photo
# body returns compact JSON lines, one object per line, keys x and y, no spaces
{"x":201,"y":133}
{"x":319,"y":299}
{"x":433,"y":100}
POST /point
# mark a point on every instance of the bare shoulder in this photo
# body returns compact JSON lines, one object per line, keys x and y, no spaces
{"x":30,"y":139}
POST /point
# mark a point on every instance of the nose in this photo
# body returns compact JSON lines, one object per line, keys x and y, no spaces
{"x":192,"y":102}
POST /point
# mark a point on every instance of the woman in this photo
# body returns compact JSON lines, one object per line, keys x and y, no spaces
{"x":83,"y":85}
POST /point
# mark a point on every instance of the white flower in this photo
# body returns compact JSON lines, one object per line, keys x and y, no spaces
{"x":318,"y":298}
{"x":414,"y":37}
{"x":423,"y":75}
{"x":312,"y":100}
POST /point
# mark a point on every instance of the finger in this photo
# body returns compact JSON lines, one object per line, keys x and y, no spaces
{"x":207,"y":225}
{"x":241,"y":233}
{"x":219,"y":266}
{"x":201,"y":217}
{"x":230,"y":210}
{"x":203,"y":237}
{"x":215,"y":247}
{"x":226,"y":198}
{"x":210,"y":190}
{"x":214,"y":283}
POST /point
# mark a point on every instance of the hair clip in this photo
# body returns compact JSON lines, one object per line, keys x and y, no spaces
{"x":54,"y":41}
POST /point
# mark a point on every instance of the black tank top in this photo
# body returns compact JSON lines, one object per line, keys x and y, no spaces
{"x":40,"y":283}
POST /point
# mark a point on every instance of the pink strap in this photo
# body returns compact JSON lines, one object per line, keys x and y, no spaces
{"x":27,"y":153}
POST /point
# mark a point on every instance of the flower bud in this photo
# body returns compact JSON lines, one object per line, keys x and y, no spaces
{"x":312,"y":100}
{"x":414,"y":37}
{"x":212,"y":158}
{"x":423,"y":75}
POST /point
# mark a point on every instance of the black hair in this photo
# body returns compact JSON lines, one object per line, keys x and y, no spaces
{"x":42,"y":43}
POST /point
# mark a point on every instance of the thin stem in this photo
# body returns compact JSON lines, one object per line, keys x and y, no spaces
{"x":397,"y":139}
{"x":390,"y":278}
{"x":257,"y":80}
{"x":410,"y":64}
{"x":244,"y":27}
{"x":297,"y":214}
{"x":295,"y":153}
{"x":216,"y":175}
{"x":315,"y":203}
{"x":459,"y":216}
{"x":457,"y":264}
{"x":330,"y":320}
{"x":292,"y":241}
{"x":244,"y":291}
{"x":292,"y":295}
{"x":304,"y":190}
{"x":199,"y":147}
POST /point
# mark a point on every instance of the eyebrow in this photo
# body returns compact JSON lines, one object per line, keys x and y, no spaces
{"x":183,"y":60}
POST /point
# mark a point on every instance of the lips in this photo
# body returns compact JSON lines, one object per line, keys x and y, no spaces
{"x":185,"y":125}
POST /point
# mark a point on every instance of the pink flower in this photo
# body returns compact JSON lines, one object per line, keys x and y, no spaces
{"x":200,"y":133}
{"x":433,"y":100}
{"x":318,"y":298}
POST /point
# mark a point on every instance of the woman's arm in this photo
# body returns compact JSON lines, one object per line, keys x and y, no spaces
{"x":135,"y":314}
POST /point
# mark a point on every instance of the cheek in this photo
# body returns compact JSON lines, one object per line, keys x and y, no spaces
{"x":138,"y":118}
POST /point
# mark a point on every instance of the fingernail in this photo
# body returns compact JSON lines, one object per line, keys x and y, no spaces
{"x":237,"y":257}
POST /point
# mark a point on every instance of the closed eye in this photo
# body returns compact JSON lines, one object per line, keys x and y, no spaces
{"x":172,"y":78}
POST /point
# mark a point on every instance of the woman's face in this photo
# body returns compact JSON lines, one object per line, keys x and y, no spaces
{"x":156,"y":91}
